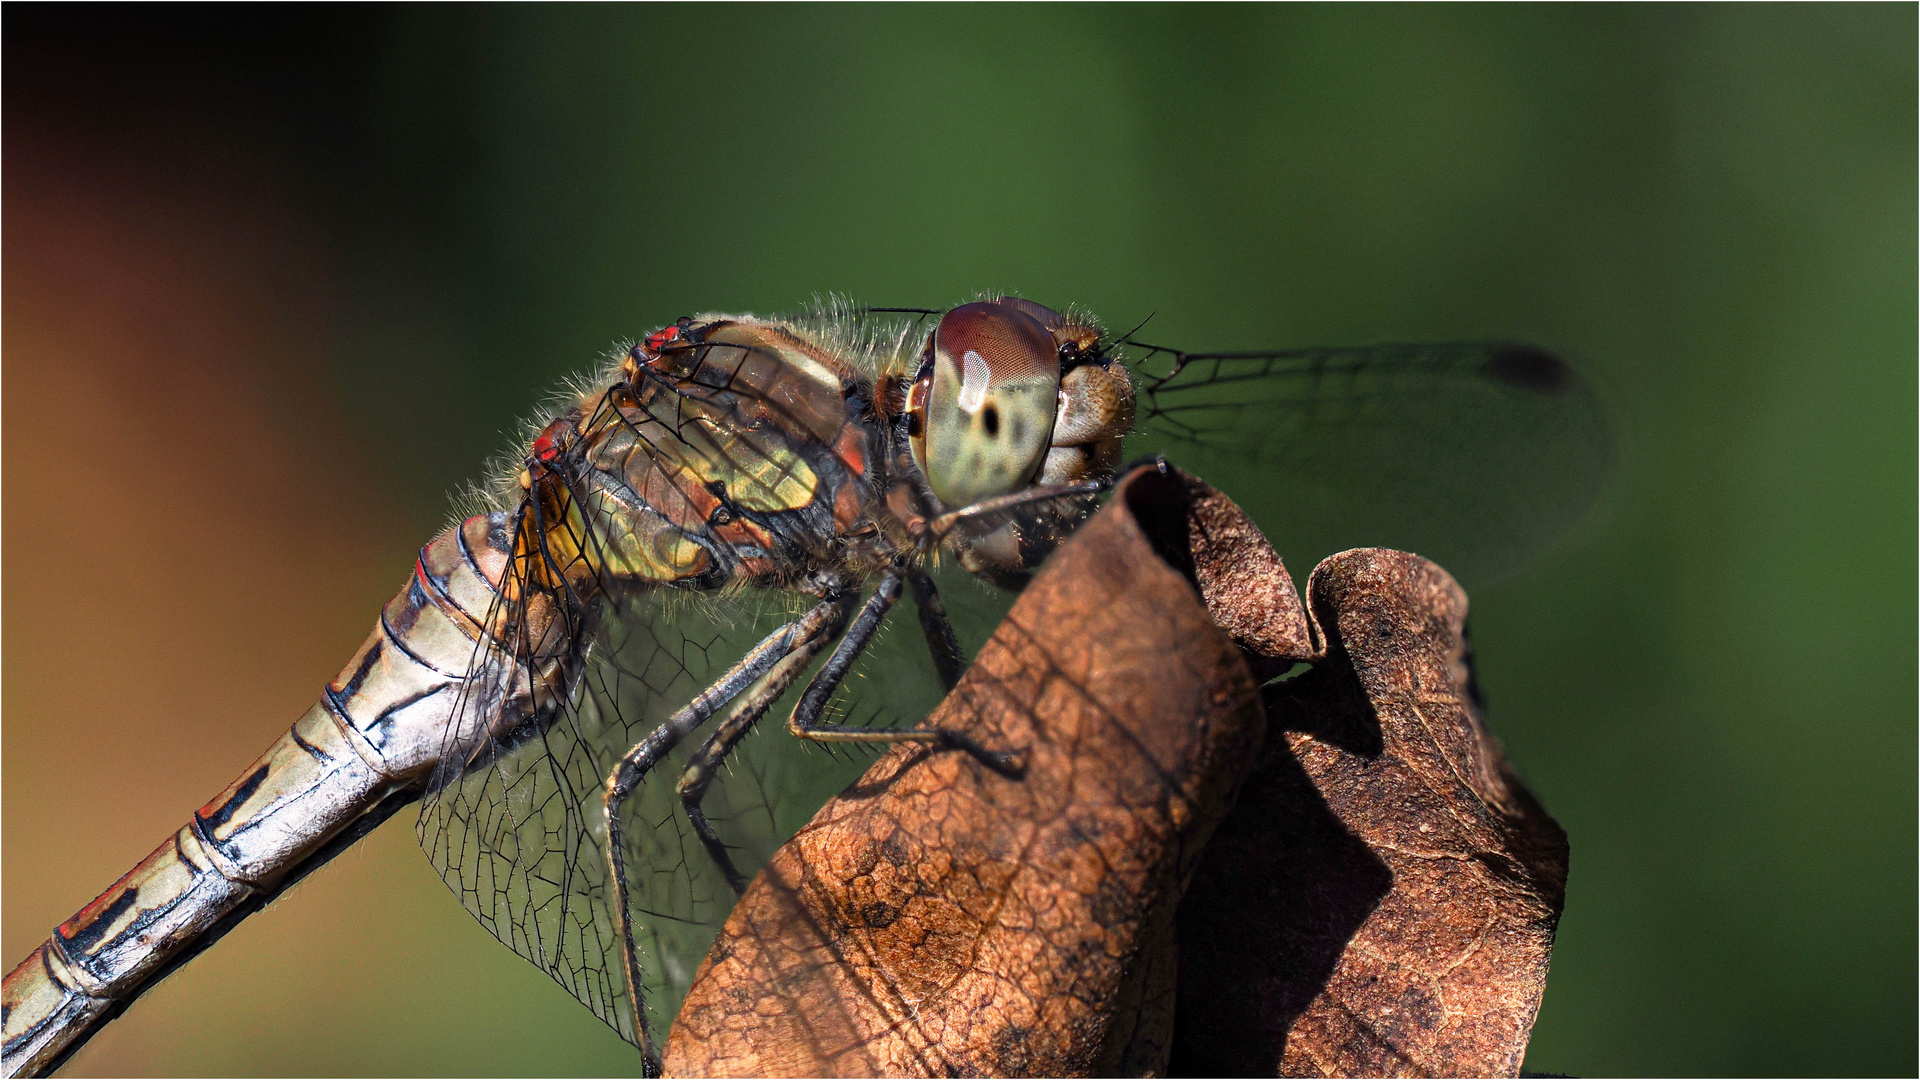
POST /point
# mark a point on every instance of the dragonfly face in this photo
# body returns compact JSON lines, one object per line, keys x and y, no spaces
{"x":1009,"y":395}
{"x":706,"y":519}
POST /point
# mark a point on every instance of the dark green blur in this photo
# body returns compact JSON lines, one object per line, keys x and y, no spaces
{"x":1712,"y":686}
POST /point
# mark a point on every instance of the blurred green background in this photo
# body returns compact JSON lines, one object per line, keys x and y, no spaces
{"x":277,"y":281}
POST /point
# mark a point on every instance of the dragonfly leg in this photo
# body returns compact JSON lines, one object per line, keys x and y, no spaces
{"x":941,"y":642}
{"x":705,"y":762}
{"x":1043,"y":493}
{"x":806,"y":723}
{"x":818,"y":625}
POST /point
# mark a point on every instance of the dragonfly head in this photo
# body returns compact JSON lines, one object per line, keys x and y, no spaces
{"x":1009,"y":395}
{"x":981,"y":407}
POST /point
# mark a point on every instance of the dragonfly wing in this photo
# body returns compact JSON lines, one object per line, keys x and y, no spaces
{"x":1478,"y":454}
{"x":516,"y":822}
{"x":519,"y":831}
{"x":771,"y":784}
{"x":508,"y":821}
{"x":663,"y":650}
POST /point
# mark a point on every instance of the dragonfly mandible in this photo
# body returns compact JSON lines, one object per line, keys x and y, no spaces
{"x":716,"y":526}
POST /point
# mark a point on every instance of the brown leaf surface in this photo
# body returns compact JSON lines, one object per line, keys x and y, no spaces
{"x":1383,"y":897}
{"x":1380,"y":899}
{"x":940,"y":918}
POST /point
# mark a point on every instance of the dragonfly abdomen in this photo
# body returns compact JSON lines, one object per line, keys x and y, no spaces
{"x":360,"y":753}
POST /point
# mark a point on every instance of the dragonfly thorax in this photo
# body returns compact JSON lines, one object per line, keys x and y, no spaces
{"x":732,"y":449}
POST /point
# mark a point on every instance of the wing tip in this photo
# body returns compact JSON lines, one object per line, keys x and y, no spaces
{"x":1530,"y":368}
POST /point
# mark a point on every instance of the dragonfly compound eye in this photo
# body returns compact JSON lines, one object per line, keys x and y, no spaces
{"x":990,"y":400}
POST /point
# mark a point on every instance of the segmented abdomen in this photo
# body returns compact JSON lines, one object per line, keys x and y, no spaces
{"x":364,"y":750}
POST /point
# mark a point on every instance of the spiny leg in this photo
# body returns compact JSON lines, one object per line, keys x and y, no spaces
{"x":705,"y":762}
{"x":948,"y":660}
{"x":987,"y":509}
{"x":806,"y":723}
{"x":627,"y":774}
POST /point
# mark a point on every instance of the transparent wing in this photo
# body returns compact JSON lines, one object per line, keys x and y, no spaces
{"x":1478,"y":455}
{"x":520,"y":832}
{"x":598,"y":649}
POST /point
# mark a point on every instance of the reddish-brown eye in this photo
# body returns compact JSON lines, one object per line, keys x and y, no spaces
{"x":990,"y":408}
{"x":1039,"y":313}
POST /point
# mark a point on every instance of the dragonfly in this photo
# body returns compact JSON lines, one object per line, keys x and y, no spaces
{"x":718,"y":525}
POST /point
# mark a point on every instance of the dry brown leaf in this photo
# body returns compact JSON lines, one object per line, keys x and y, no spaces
{"x":1383,"y":897}
{"x":940,"y":918}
